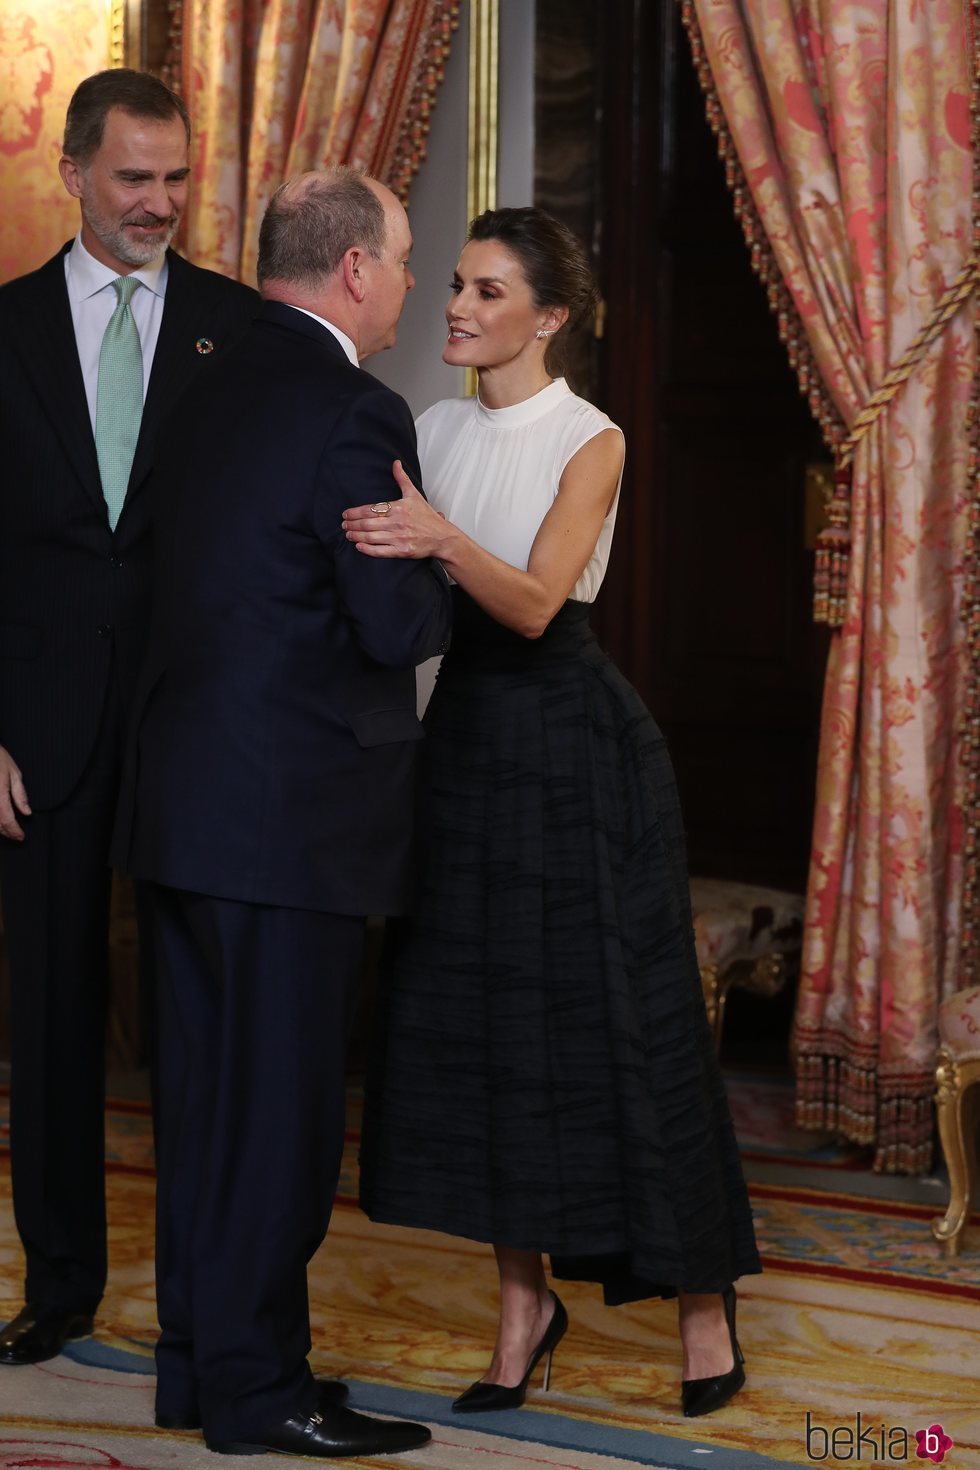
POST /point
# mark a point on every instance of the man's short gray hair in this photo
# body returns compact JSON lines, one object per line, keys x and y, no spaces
{"x":312,"y":222}
{"x":134,"y":92}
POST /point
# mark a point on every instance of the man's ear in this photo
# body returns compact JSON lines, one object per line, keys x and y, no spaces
{"x":71,"y":176}
{"x":353,"y":264}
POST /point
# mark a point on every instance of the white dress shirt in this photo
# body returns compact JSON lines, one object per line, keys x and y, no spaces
{"x":341,"y":337}
{"x":93,"y":301}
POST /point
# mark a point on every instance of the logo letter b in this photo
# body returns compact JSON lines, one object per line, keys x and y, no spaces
{"x":812,"y":1430}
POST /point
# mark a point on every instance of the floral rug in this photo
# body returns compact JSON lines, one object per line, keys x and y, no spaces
{"x":859,"y":1335}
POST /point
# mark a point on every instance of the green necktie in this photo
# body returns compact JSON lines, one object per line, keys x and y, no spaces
{"x":119,"y":405}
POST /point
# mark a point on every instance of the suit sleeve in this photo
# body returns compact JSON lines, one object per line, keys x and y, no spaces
{"x":400,"y":610}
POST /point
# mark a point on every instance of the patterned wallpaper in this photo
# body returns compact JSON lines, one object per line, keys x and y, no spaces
{"x":46,"y":48}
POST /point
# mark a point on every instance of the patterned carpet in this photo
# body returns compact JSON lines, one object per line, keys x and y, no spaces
{"x":857,"y":1314}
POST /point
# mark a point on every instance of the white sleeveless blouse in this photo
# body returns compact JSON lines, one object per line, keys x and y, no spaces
{"x":494,"y":472}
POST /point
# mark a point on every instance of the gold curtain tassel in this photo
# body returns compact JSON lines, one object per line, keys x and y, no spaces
{"x":834,"y":542}
{"x":833,"y":555}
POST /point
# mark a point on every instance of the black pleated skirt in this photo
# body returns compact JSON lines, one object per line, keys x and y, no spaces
{"x":542,"y":1074}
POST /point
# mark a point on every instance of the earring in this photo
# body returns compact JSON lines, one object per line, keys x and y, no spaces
{"x":542,"y":333}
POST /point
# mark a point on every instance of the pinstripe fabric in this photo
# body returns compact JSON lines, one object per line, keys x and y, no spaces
{"x":73,"y":604}
{"x":73,"y":593}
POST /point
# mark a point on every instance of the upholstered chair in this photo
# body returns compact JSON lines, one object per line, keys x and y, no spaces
{"x":957,"y":1070}
{"x":745,"y":936}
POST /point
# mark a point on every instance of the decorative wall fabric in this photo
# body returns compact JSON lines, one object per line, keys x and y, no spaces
{"x":43,"y":57}
{"x":275,"y":87}
{"x":847,"y":135}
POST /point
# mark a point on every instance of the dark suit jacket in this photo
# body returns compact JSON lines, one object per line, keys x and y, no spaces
{"x":276,"y":735}
{"x":72,"y":590}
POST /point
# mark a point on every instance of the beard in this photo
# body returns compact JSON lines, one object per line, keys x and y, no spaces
{"x":112,"y":234}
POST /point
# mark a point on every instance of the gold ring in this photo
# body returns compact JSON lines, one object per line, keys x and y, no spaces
{"x":382,"y":508}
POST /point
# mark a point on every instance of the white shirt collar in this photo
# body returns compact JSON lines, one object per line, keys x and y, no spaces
{"x":341,"y":337}
{"x":86,"y":275}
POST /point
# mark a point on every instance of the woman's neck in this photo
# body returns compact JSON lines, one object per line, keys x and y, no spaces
{"x":504,"y":386}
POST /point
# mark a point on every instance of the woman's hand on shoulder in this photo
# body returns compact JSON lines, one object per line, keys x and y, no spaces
{"x":408,"y":527}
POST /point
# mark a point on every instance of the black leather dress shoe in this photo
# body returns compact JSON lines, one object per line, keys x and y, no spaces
{"x":330,"y":1433}
{"x":332,"y":1391}
{"x":39,"y":1333}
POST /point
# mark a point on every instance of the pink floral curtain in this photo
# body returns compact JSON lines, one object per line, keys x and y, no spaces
{"x":847,"y":136}
{"x":275,"y":87}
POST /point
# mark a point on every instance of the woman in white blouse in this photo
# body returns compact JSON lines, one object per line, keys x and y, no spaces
{"x":544,"y":1079}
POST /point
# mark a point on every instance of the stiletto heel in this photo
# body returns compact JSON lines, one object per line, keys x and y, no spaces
{"x":481,"y":1397}
{"x":704,"y":1395}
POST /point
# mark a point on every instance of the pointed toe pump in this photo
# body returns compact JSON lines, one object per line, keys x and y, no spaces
{"x":704,"y":1395}
{"x":482,"y":1397}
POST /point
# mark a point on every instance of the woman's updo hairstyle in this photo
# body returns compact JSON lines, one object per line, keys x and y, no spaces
{"x":554,"y":264}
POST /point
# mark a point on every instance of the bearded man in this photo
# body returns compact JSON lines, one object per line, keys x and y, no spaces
{"x":94,"y":348}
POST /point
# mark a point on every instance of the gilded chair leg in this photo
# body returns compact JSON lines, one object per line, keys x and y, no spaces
{"x":724,"y":986}
{"x":709,"y":987}
{"x":958,"y":1151}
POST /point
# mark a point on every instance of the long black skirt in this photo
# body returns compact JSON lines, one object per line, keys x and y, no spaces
{"x":543,"y":1075}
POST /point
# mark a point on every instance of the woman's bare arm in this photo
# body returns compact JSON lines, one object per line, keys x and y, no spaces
{"x":524,"y":601}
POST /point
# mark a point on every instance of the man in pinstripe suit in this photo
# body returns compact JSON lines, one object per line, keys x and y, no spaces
{"x":73,"y":606}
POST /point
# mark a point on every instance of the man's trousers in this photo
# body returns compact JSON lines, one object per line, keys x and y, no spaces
{"x":254,"y":1008}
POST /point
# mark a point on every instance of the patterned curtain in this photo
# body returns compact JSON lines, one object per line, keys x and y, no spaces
{"x":846,"y":133}
{"x":275,"y":87}
{"x":43,"y":57}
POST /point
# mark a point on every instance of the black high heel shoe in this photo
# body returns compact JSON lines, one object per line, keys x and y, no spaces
{"x":704,"y":1395}
{"x":481,"y":1397}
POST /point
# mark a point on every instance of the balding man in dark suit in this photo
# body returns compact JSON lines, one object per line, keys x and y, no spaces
{"x":94,"y":348}
{"x":269,"y":804}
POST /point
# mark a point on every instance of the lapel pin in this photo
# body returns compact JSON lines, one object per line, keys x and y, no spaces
{"x":204,"y":345}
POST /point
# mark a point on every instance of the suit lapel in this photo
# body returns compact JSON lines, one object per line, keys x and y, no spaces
{"x":173,"y":360}
{"x":47,"y":345}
